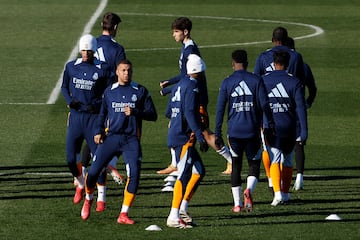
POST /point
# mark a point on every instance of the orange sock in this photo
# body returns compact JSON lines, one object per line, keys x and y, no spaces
{"x":266,"y":163}
{"x":177,"y":194}
{"x":191,"y":186}
{"x":128,"y":197}
{"x":275,"y":176}
{"x":286,"y":177}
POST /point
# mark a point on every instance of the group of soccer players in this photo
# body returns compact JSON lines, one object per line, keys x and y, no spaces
{"x":107,"y":108}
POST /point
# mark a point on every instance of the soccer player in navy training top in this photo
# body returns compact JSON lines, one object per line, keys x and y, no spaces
{"x":287,"y":101}
{"x":184,"y":130}
{"x":84,"y":82}
{"x":111,"y":52}
{"x":245,"y":95}
{"x":181,"y":28}
{"x":265,"y":64}
{"x":125,"y":105}
{"x":309,"y":83}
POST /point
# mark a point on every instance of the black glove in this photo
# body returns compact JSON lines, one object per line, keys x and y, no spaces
{"x":219,"y":141}
{"x":203,"y":146}
{"x":75,"y":104}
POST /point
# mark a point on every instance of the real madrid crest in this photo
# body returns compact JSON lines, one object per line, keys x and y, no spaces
{"x":134,"y":98}
{"x":95,"y":76}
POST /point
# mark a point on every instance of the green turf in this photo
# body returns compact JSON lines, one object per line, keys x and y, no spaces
{"x":36,"y":40}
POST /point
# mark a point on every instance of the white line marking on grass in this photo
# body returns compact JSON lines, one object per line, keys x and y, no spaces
{"x":69,"y":174}
{"x":318,"y":30}
{"x":18,"y":103}
{"x":56,"y":91}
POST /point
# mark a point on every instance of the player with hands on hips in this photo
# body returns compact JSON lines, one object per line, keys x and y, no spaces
{"x":84,"y":81}
{"x":125,"y":104}
{"x":248,"y":111}
{"x":184,"y":130}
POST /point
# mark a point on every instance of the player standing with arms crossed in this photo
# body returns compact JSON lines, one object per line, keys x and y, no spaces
{"x":287,"y":101}
{"x":84,"y":81}
{"x":181,"y":28}
{"x":125,"y":105}
{"x":245,"y":95}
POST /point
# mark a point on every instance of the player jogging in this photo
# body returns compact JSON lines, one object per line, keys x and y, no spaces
{"x":125,"y":105}
{"x":84,"y":81}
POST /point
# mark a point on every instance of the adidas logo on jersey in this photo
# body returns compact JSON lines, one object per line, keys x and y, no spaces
{"x":241,"y":90}
{"x":176,"y":97}
{"x":278,"y":91}
{"x":270,"y":68}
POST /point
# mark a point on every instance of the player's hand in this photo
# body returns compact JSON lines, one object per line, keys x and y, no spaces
{"x":75,"y":104}
{"x":203,"y":146}
{"x":219,"y":142}
{"x":127,"y":110}
{"x":164,"y":83}
{"x":98,"y":139}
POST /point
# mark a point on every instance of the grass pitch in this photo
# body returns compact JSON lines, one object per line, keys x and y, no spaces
{"x":36,"y":189}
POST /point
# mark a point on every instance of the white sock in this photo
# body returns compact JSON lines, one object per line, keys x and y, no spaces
{"x":81,"y":181}
{"x":299,"y":177}
{"x":278,"y":195}
{"x":173,"y":157}
{"x":237,"y":193}
{"x":270,"y":183}
{"x":174,"y":213}
{"x":89,"y":196}
{"x":251,"y":183}
{"x":225,"y":152}
{"x":124,"y":208}
{"x":101,"y":193}
{"x":184,"y":205}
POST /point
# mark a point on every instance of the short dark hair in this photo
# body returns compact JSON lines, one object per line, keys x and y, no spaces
{"x":282,"y":58}
{"x":240,"y":56}
{"x":125,"y":61}
{"x":290,"y":43}
{"x":280,"y":34}
{"x":182,"y":23}
{"x":110,"y":20}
